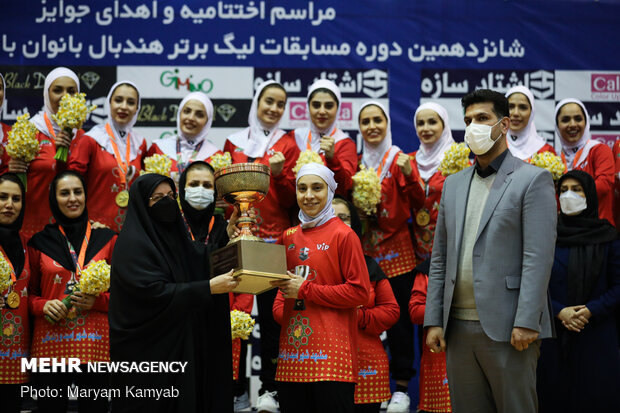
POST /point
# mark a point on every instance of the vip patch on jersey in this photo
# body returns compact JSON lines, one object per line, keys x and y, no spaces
{"x":304,"y":253}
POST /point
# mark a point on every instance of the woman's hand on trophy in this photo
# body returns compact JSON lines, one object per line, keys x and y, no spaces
{"x":223,"y":283}
{"x":233,"y":229}
{"x":276,"y":163}
{"x":289,"y":288}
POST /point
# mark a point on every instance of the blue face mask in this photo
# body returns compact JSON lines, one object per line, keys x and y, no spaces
{"x":199,"y":197}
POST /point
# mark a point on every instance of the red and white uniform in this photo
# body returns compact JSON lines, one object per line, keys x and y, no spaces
{"x":101,"y":170}
{"x":424,"y":234}
{"x":388,"y":239}
{"x":241,"y":302}
{"x":434,"y":390}
{"x":4,"y":140}
{"x":272,"y":213}
{"x":15,"y":331}
{"x":82,"y":334}
{"x":320,"y":342}
{"x":381,"y":312}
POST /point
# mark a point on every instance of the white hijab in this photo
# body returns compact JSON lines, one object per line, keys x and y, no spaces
{"x":188,"y":144}
{"x":429,"y":156}
{"x":527,"y":142}
{"x":256,"y":139}
{"x":327,"y":213}
{"x":373,"y":155}
{"x":38,"y":119}
{"x":121,"y":133}
{"x":301,"y":134}
{"x":569,"y":149}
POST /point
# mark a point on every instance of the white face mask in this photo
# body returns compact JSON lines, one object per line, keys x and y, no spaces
{"x":478,"y":137}
{"x":572,"y":203}
{"x":199,"y":197}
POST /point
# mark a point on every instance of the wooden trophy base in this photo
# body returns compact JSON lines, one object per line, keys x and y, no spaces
{"x":255,"y":263}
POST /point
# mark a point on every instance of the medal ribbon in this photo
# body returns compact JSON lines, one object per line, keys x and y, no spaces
{"x":180,"y":164}
{"x":383,"y":161}
{"x":6,"y":258}
{"x":575,"y":159}
{"x":190,"y":230}
{"x":50,"y":128}
{"x":309,"y":140}
{"x":123,"y":166}
{"x":78,"y":261}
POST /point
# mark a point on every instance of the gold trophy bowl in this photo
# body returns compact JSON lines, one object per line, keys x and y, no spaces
{"x":254,"y":261}
{"x":243,"y":184}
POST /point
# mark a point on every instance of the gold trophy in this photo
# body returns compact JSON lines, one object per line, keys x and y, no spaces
{"x":254,"y":261}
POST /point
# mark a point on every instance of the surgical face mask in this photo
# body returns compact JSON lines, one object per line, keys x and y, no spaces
{"x":572,"y":203}
{"x":199,"y":197}
{"x":478,"y":137}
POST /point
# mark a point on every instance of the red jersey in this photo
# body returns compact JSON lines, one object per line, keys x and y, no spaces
{"x":4,"y":140}
{"x":600,"y":165}
{"x":82,"y":334}
{"x":425,"y":218}
{"x":15,"y":331}
{"x":241,"y":302}
{"x":343,"y":164}
{"x":320,"y":342}
{"x":388,"y":239}
{"x":381,"y":313}
{"x":434,"y":390}
{"x":166,"y":146}
{"x":272,"y":213}
{"x":101,"y":171}
{"x":41,"y":171}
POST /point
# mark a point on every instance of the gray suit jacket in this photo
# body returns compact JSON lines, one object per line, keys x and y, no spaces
{"x":513,"y":251}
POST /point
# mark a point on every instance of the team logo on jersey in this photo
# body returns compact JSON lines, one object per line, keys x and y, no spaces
{"x":322,"y":247}
{"x":304,"y":253}
{"x":291,"y":231}
{"x":291,"y":247}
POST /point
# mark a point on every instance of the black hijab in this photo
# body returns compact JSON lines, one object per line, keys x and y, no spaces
{"x":9,"y":234}
{"x":161,"y":309}
{"x":52,"y":243}
{"x":199,"y":220}
{"x":587,"y":236}
{"x":374,"y":270}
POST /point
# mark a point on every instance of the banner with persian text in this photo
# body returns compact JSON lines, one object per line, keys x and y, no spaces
{"x":398,"y":51}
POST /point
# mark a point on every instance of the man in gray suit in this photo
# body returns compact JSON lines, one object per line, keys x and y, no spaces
{"x":490,"y":267}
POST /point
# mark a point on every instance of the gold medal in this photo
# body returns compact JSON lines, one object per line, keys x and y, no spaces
{"x":422,"y":218}
{"x":122,"y":198}
{"x":13,"y":300}
{"x":427,"y":236}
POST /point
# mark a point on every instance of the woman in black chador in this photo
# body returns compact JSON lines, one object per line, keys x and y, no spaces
{"x":164,"y":307}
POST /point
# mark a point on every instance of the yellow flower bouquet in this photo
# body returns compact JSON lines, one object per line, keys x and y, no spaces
{"x":219,"y":161}
{"x":455,"y":159}
{"x":550,"y":162}
{"x":157,"y":164}
{"x":306,"y":157}
{"x":241,"y":324}
{"x":5,"y":275}
{"x":72,"y":113}
{"x":23,"y":143}
{"x":94,"y":280}
{"x":366,"y":190}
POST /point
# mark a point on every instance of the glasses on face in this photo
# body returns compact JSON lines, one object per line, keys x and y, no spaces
{"x":157,"y":197}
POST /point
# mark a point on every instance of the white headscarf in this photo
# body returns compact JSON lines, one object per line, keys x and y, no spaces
{"x":527,"y":142}
{"x":188,"y":144}
{"x":327,"y":213}
{"x":569,"y":149}
{"x":373,"y":155}
{"x":429,"y":156}
{"x":256,"y":139}
{"x":121,"y":133}
{"x":301,"y":134}
{"x":38,"y":119}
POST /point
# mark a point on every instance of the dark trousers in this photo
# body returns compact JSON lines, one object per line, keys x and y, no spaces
{"x":368,"y":408}
{"x":10,"y":397}
{"x":316,"y":397}
{"x":269,"y":340}
{"x":63,"y":380}
{"x":401,"y":335}
{"x":240,"y":385}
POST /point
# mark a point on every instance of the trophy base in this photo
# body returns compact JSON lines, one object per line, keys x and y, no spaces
{"x":255,"y":263}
